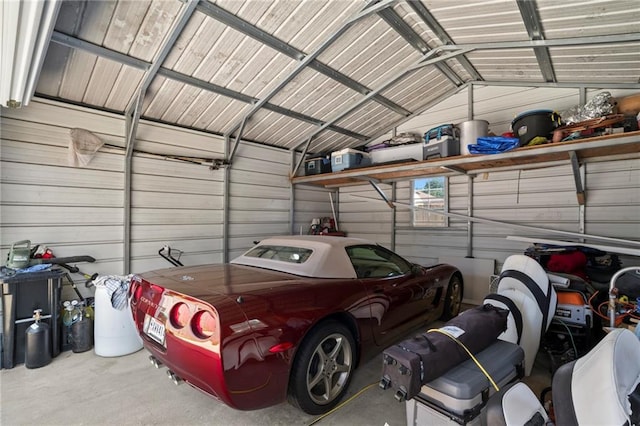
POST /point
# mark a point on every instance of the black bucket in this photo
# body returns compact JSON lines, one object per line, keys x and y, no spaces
{"x":82,"y":335}
{"x":37,"y":352}
{"x":532,"y":124}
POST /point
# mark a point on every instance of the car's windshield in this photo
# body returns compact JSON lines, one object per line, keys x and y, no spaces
{"x":371,"y":261}
{"x":282,"y":253}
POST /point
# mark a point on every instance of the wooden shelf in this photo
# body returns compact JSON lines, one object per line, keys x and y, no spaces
{"x":622,"y":145}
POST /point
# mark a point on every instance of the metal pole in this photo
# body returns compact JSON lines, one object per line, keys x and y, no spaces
{"x":470,"y":214}
{"x":232,"y":151}
{"x":292,"y":197}
{"x":511,"y":225}
{"x":393,"y":215}
{"x":333,"y":211}
{"x":583,"y":96}
{"x":470,"y":101}
{"x":225,"y":204}
{"x":131,"y":125}
{"x":304,"y":153}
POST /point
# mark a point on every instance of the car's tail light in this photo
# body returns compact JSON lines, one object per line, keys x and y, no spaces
{"x":137,"y":293}
{"x":156,"y":288}
{"x":203,"y":324}
{"x":179,"y":315}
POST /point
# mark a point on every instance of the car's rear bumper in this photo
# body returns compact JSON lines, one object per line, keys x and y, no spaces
{"x":200,"y":367}
{"x":249,"y":381}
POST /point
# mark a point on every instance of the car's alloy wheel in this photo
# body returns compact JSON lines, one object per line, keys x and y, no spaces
{"x":453,"y":299}
{"x":323,"y":368}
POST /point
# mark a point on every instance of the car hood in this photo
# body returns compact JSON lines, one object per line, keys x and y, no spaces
{"x":208,"y":280}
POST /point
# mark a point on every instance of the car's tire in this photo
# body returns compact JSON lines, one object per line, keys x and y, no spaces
{"x":323,"y":368}
{"x":452,"y":299}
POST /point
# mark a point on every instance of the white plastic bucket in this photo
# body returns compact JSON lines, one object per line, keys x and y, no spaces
{"x":114,"y":331}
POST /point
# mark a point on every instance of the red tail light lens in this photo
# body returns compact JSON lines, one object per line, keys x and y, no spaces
{"x":137,"y":292}
{"x":203,"y":324}
{"x":179,"y":315}
{"x":157,"y":288}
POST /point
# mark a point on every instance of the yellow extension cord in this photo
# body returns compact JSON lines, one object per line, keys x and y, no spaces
{"x":366,"y":388}
{"x":343,"y":403}
{"x":437,"y":330}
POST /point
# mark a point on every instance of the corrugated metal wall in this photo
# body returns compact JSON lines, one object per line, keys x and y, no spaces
{"x":175,"y":202}
{"x":543,"y":198}
{"x":363,"y":214}
{"x":425,"y":246}
{"x":312,"y":203}
{"x":259,"y":196}
{"x":74,"y":211}
{"x":363,"y":218}
{"x":79,"y":211}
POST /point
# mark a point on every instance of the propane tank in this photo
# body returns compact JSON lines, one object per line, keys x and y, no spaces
{"x":82,"y":332}
{"x":37,"y":343}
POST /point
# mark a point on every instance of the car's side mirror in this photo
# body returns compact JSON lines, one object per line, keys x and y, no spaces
{"x":417,"y":270}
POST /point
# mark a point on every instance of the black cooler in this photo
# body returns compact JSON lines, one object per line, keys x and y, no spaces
{"x":317,"y":165}
{"x":447,"y":147}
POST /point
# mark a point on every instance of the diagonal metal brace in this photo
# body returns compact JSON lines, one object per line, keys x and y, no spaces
{"x":575,"y":166}
{"x":380,"y":192}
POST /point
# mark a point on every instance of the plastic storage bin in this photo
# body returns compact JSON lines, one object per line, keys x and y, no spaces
{"x":446,"y":147}
{"x":114,"y":331}
{"x":347,"y":158}
{"x":21,"y":294}
{"x":438,"y":133}
{"x":531,"y":124}
{"x":412,"y":151}
{"x":317,"y":165}
{"x":459,"y":396}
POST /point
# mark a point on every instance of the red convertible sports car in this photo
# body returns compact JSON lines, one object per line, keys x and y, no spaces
{"x":290,"y":318}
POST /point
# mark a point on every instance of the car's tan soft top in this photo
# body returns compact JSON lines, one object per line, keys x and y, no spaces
{"x":328,"y":259}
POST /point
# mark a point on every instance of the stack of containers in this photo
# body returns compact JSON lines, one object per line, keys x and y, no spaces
{"x":439,"y":142}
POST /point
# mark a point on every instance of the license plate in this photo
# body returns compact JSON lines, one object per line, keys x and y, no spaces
{"x":154,"y":329}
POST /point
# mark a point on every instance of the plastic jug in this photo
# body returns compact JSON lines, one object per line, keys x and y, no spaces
{"x":115,"y":333}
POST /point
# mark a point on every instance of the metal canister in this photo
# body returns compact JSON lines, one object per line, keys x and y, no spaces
{"x":82,"y":332}
{"x":470,"y":131}
{"x":37,"y":343}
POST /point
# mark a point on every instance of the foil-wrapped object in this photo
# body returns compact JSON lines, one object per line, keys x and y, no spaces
{"x":601,"y":105}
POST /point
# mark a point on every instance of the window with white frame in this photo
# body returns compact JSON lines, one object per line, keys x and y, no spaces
{"x":428,"y":195}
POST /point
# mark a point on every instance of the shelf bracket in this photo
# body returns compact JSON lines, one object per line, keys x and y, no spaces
{"x":575,"y":166}
{"x":380,"y":192}
{"x":455,"y":169}
{"x":368,"y":179}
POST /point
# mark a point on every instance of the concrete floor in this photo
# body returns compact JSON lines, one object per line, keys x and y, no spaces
{"x":84,"y":388}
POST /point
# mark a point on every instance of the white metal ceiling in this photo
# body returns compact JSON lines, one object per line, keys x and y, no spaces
{"x":232,"y":56}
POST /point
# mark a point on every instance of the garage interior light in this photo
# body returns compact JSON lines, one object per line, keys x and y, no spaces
{"x":26,"y":30}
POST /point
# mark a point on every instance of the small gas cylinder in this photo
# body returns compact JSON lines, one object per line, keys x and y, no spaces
{"x":82,"y":332}
{"x":37,"y":343}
